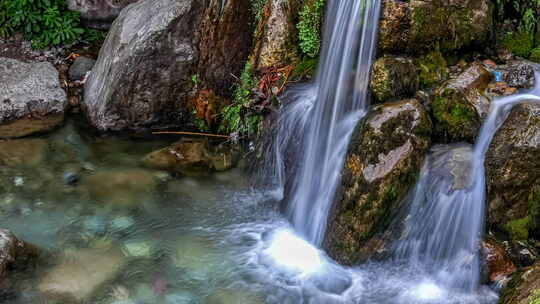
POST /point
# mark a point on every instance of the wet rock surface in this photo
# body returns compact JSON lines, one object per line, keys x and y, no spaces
{"x":518,"y":74}
{"x":418,"y":25}
{"x":459,"y":106}
{"x":31,"y":99}
{"x":80,"y":67}
{"x":513,"y":174}
{"x":384,"y":159}
{"x":394,"y":78}
{"x":498,"y":263}
{"x":524,"y":288}
{"x":191,"y":157}
{"x":143,"y":76}
{"x":22,"y":152}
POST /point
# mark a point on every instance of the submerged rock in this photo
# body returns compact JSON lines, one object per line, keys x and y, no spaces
{"x":98,"y":14}
{"x":143,"y":76}
{"x":418,"y":25}
{"x":459,"y":106}
{"x":513,"y":174}
{"x":125,"y":187}
{"x":384,"y":159}
{"x":394,"y":78}
{"x":191,"y":157}
{"x":80,"y":274}
{"x":22,"y":152}
{"x":31,"y":99}
{"x":233,"y":296}
{"x":14,"y":255}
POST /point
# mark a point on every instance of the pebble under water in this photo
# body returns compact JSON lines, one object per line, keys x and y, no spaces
{"x":161,"y":239}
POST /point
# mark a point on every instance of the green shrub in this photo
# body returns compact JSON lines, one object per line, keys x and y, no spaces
{"x":520,"y":43}
{"x":535,"y":55}
{"x":309,"y":27}
{"x":44,"y":22}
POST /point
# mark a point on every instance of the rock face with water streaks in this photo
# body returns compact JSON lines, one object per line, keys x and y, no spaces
{"x":418,"y":25}
{"x":513,"y":174}
{"x":144,"y":75}
{"x":31,"y":99}
{"x":98,"y":13}
{"x":459,"y":105}
{"x":384,"y":159}
{"x":394,"y":78}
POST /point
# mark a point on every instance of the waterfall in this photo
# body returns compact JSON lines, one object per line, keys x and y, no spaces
{"x":317,"y":120}
{"x":445,"y":222}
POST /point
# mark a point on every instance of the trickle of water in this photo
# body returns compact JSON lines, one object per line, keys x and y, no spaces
{"x":318,"y":119}
{"x":446,"y":217}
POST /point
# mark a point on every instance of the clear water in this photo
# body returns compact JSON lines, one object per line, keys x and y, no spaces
{"x":316,"y":123}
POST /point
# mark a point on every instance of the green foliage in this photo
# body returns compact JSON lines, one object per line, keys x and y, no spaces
{"x":237,"y":117}
{"x":519,"y":229}
{"x":199,"y":122}
{"x":257,"y":8}
{"x":535,"y":297}
{"x":535,"y":55}
{"x":309,"y":27}
{"x":519,"y":43}
{"x":44,"y":22}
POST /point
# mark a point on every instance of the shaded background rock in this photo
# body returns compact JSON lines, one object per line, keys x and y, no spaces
{"x":98,"y":14}
{"x":513,"y":174}
{"x":384,"y":159}
{"x":31,"y":99}
{"x":144,"y":75}
{"x":79,"y":68}
{"x":394,"y":78}
{"x":419,"y":25}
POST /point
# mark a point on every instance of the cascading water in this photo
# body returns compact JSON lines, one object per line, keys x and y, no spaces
{"x":445,"y":223}
{"x":318,"y":119}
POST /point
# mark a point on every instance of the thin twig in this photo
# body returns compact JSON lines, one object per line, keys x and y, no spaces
{"x":192,"y":133}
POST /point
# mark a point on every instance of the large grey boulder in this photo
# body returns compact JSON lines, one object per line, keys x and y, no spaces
{"x":98,"y":14}
{"x":31,"y":99}
{"x":144,"y":74}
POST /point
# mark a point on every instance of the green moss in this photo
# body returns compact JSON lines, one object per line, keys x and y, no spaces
{"x":309,"y":27}
{"x":535,"y":55}
{"x":305,"y":68}
{"x":453,"y":118}
{"x":433,"y":69}
{"x":519,"y":43}
{"x":535,"y":297}
{"x":534,"y":209}
{"x":518,"y":229}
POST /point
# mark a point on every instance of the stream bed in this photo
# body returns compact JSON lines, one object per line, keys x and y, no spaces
{"x":114,"y":232}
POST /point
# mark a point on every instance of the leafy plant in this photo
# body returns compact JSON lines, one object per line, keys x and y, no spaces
{"x":44,"y":22}
{"x":309,"y":27}
{"x":237,"y":117}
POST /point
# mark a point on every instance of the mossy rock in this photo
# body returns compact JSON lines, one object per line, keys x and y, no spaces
{"x":523,"y":288}
{"x":513,"y":174}
{"x":433,"y":69}
{"x":519,"y":43}
{"x":382,"y":165}
{"x":459,"y":106}
{"x":418,"y":26}
{"x":393,"y":78}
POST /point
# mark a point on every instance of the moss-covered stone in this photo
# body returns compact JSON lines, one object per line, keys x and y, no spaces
{"x":418,"y":26}
{"x":535,"y":55}
{"x":459,"y":106}
{"x":519,"y":43}
{"x":433,"y":69}
{"x":513,"y":174}
{"x":383,"y":162}
{"x":393,"y":78}
{"x":523,"y":288}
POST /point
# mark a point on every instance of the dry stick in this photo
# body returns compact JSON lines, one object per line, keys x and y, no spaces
{"x":192,"y":133}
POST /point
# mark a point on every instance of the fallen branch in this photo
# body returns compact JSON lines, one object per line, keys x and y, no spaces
{"x":192,"y":133}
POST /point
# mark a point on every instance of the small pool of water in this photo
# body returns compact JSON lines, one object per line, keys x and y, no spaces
{"x":115,"y":232}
